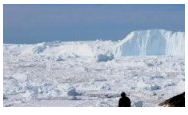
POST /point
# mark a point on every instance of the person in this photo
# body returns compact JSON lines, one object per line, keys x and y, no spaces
{"x":124,"y":101}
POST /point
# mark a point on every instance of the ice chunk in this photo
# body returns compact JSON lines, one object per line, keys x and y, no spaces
{"x":105,"y":87}
{"x":39,"y":48}
{"x":138,"y":104}
{"x":105,"y":57}
{"x":72,"y":92}
{"x":155,"y":87}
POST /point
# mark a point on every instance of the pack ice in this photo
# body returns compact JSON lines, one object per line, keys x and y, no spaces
{"x":148,"y":65}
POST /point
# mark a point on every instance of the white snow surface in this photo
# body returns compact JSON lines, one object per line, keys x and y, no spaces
{"x":94,"y":73}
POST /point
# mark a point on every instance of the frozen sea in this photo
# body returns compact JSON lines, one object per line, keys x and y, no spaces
{"x":35,"y":80}
{"x":87,"y":74}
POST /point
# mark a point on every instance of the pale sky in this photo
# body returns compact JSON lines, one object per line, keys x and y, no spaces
{"x":95,"y":1}
{"x":46,"y":23}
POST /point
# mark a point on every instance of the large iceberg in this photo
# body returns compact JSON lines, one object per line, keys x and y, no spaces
{"x":151,"y":42}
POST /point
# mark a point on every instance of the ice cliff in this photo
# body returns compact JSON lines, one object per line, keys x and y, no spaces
{"x":151,"y":42}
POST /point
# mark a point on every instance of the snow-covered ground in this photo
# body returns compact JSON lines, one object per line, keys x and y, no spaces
{"x":91,"y":73}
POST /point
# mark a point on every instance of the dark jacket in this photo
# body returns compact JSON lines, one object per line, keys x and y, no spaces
{"x":124,"y":102}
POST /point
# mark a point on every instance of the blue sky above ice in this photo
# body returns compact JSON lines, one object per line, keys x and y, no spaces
{"x":45,"y":23}
{"x":95,"y":1}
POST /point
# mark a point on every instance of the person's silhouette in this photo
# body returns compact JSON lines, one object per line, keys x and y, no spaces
{"x":124,"y":101}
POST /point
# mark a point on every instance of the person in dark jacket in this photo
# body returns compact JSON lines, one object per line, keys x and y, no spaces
{"x":124,"y":101}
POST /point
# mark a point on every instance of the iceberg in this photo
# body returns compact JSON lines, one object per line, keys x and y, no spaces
{"x":151,"y":42}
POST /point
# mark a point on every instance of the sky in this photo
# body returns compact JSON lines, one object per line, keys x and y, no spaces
{"x":34,"y":23}
{"x":94,"y":1}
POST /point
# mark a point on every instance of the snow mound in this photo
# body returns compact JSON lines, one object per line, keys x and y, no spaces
{"x":151,"y":42}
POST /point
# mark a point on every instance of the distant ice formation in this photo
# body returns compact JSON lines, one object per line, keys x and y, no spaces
{"x":151,"y":42}
{"x":137,"y":43}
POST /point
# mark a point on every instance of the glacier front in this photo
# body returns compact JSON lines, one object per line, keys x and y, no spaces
{"x":151,"y":42}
